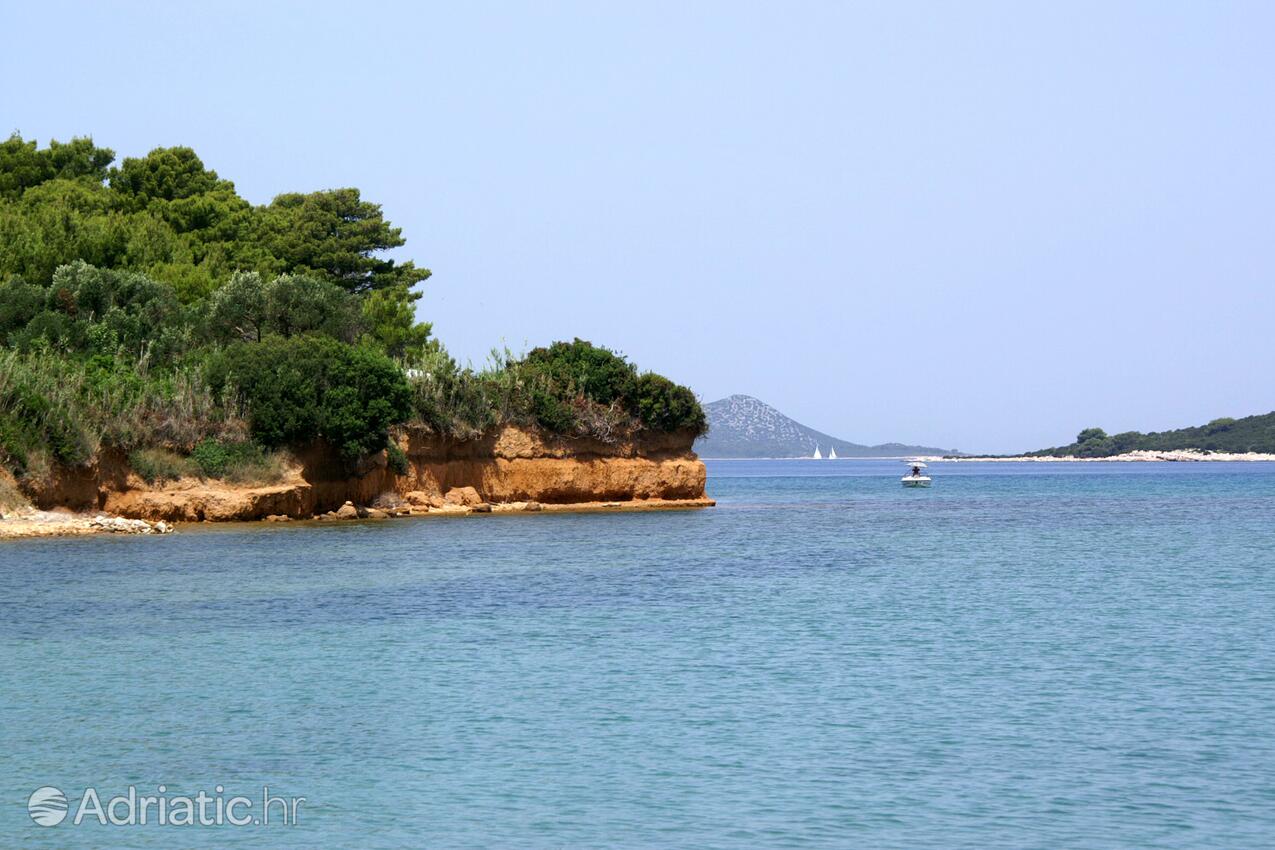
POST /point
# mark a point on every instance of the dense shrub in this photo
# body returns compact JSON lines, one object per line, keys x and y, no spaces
{"x":577,"y":386}
{"x":397,"y":459}
{"x":20,"y":302}
{"x":551,"y":411}
{"x":157,"y":465}
{"x":581,"y":368}
{"x":236,"y":460}
{"x":666,"y":406}
{"x":214,"y":456}
{"x":301,"y":388}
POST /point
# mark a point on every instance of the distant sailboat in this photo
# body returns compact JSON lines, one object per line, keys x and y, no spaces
{"x":832,"y":453}
{"x":816,"y":455}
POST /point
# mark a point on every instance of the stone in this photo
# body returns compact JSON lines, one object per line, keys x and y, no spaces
{"x":120,"y":525}
{"x":532,"y":506}
{"x":377,"y":513}
{"x":278,"y":518}
{"x":481,"y":508}
{"x":466,"y":496}
{"x":347,"y":511}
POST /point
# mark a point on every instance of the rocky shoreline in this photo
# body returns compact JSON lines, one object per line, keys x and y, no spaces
{"x":31,"y":522}
{"x":511,"y":470}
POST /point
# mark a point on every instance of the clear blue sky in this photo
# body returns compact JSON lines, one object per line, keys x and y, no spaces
{"x":974,"y":225}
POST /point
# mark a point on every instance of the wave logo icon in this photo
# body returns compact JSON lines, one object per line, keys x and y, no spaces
{"x":47,"y":806}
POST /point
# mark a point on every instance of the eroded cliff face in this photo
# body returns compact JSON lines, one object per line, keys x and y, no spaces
{"x":506,"y":466}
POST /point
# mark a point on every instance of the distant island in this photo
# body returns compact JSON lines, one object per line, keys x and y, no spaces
{"x":1251,"y":434}
{"x":741,"y":426}
{"x":1251,"y":438}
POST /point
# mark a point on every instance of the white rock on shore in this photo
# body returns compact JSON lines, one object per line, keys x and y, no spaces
{"x":120,"y":525}
{"x":29,"y":522}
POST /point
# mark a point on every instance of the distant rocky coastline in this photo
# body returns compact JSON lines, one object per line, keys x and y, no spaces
{"x":1140,"y":456}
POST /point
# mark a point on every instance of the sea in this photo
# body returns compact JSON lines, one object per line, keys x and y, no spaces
{"x":1022,"y":656}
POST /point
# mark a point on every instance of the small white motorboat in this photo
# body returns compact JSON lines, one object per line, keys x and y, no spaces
{"x":915,"y":477}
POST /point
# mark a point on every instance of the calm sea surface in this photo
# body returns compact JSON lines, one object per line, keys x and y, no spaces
{"x":1023,"y":656}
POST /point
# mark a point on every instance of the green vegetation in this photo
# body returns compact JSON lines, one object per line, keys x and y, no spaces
{"x":158,"y":465}
{"x":55,"y":407}
{"x":300,"y":389}
{"x":236,"y":460}
{"x":569,"y":388}
{"x":148,"y":309}
{"x":397,"y":459}
{"x":1250,"y":434}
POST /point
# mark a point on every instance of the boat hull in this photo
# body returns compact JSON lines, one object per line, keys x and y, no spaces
{"x":916,"y":481}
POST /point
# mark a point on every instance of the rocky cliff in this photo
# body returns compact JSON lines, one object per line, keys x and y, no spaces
{"x":511,"y":465}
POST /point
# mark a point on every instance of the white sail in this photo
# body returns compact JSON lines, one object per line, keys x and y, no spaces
{"x":816,"y":455}
{"x":832,"y":453}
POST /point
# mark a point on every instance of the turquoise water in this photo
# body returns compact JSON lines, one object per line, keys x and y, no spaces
{"x":1020,"y":657}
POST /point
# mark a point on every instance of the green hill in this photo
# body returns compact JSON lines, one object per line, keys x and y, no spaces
{"x":1250,"y":434}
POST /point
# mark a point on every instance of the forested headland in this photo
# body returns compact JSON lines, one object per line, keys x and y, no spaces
{"x":146,"y":307}
{"x":1241,"y":436}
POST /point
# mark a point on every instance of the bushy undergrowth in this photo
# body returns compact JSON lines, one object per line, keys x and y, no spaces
{"x":156,"y":466}
{"x":68,"y":408}
{"x":240,"y":461}
{"x":568,"y":388}
{"x":218,"y":412}
{"x":456,"y":402}
{"x":397,"y":459}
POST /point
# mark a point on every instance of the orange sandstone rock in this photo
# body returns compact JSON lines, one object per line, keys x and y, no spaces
{"x":508,"y":465}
